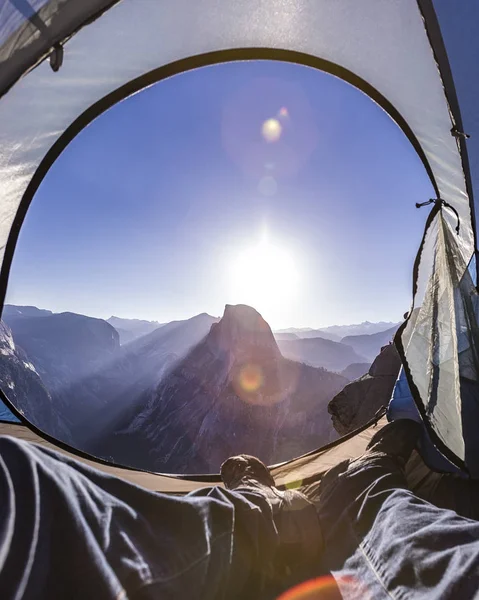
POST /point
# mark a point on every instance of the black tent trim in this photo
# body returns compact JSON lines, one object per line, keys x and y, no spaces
{"x":433,"y":32}
{"x":176,"y":68}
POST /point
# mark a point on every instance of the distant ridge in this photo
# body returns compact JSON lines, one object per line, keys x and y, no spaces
{"x":336,"y":333}
{"x":321,"y":352}
{"x":370,"y":345}
{"x":10,"y":310}
{"x":131,"y":329}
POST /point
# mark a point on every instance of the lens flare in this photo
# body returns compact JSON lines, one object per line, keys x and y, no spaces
{"x":286,"y":135}
{"x":271,"y":130}
{"x":251,"y":378}
{"x":326,"y":588}
{"x":293,"y":485}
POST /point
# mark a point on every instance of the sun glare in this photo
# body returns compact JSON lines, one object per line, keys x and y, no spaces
{"x":271,"y":130}
{"x":265,"y":277}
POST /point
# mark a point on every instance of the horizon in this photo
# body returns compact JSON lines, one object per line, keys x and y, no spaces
{"x":220,"y":316}
{"x":280,"y":187}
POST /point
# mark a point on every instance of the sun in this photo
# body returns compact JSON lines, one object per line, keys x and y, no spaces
{"x":264,"y":276}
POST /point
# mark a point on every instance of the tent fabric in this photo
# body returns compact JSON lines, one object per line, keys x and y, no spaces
{"x":304,"y":473}
{"x":297,"y":472}
{"x":14,"y":15}
{"x":147,"y":480}
{"x":438,"y":343}
{"x":391,"y":50}
{"x":443,"y":349}
{"x":458,"y":25}
{"x":402,"y":406}
{"x":7,"y":415}
{"x":31,"y":29}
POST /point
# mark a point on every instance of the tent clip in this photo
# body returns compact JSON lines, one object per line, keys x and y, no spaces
{"x":441,"y":202}
{"x":459,"y":134}
{"x":56,"y":57}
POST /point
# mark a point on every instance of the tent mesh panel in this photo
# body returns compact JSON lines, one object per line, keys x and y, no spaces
{"x":441,"y":349}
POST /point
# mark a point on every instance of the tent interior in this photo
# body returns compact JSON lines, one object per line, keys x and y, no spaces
{"x":64,"y":64}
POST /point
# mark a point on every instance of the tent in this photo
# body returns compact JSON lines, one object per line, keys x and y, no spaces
{"x":64,"y":62}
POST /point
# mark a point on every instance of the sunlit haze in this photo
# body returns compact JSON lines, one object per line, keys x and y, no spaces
{"x":258,"y":276}
{"x":264,"y":183}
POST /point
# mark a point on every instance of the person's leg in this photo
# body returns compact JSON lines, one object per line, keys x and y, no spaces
{"x":295,"y":517}
{"x":382,"y":541}
{"x":362,"y":485}
{"x":69,"y":531}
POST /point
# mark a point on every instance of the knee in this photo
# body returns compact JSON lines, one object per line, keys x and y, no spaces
{"x":10,"y":446}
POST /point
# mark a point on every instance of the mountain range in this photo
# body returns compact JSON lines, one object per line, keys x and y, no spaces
{"x":131,"y":329}
{"x":91,"y":376}
{"x":369,"y":345}
{"x":233,"y":392}
{"x":337,"y":333}
{"x":321,"y":352}
{"x":11,"y":311}
{"x":175,"y":397}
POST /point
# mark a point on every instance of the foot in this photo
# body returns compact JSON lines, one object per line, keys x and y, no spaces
{"x":398,"y":439}
{"x":295,"y":517}
{"x":245,"y":471}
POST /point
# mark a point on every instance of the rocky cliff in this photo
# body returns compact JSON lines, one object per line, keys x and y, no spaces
{"x":90,"y":379}
{"x":355,"y":371}
{"x":24,"y":388}
{"x":358,"y":402}
{"x":66,"y":350}
{"x":65,"y":347}
{"x":234,"y":392}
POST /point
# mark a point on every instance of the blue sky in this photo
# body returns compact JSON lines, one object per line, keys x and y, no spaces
{"x":180,"y":199}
